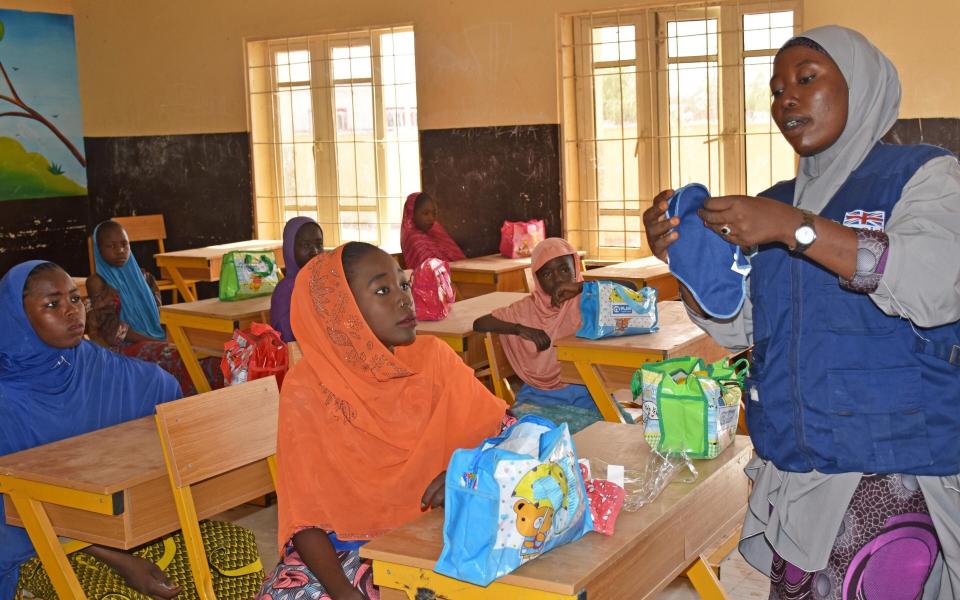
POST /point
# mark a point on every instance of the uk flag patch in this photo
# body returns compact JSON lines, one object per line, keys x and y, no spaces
{"x":865,"y":219}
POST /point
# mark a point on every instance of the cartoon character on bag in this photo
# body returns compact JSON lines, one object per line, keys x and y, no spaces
{"x":533,"y":523}
{"x":258,"y":268}
{"x":544,"y":503}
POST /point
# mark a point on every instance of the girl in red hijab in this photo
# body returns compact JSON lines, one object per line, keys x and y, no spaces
{"x":421,"y":234}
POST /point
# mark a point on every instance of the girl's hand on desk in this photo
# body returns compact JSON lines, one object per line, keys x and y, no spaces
{"x":434,"y":495}
{"x":566,"y":291}
{"x":538,"y":336}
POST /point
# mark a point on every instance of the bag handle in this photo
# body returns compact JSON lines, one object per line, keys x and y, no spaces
{"x":627,"y":298}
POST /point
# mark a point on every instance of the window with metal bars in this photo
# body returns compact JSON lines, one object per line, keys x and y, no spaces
{"x":333,"y":122}
{"x":659,"y":97}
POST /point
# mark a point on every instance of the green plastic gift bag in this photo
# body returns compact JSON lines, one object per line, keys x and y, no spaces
{"x":690,"y":407}
{"x":248,"y":274}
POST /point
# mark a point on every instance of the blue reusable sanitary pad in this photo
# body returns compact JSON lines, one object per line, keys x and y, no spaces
{"x":712,"y":268}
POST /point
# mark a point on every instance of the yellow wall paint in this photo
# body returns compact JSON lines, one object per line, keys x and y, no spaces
{"x":921,"y":37}
{"x":152,"y":67}
{"x":63,"y":7}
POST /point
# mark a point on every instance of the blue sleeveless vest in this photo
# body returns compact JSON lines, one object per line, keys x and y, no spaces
{"x":836,"y":384}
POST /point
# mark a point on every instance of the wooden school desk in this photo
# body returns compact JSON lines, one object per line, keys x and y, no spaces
{"x":107,"y":487}
{"x":207,"y":324}
{"x":649,"y":271}
{"x":648,"y":550}
{"x":203,"y":264}
{"x":609,"y":364}
{"x":457,"y":329}
{"x":493,"y":273}
{"x":484,"y":274}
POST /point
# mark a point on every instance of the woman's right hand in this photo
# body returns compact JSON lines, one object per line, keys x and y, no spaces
{"x":538,"y":336}
{"x":658,"y":227}
{"x":660,"y":236}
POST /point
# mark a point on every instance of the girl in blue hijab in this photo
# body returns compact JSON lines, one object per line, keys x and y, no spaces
{"x":56,"y":385}
{"x":125,"y":309}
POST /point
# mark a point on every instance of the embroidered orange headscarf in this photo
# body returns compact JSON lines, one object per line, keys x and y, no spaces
{"x":362,"y":431}
{"x":541,"y":369}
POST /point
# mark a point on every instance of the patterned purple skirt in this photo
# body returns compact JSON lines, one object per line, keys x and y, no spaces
{"x":885,"y":549}
{"x":292,"y":580}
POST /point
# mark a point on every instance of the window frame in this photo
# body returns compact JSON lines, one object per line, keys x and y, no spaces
{"x":652,"y":149}
{"x":325,"y":144}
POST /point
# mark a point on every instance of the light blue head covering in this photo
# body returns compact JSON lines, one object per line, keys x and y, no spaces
{"x":138,"y":306}
{"x":48,"y":394}
{"x":873,"y":105}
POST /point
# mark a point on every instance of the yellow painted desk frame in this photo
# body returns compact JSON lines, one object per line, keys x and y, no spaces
{"x":587,"y":362}
{"x":173,"y":264}
{"x":28,"y":497}
{"x":394,"y":577}
{"x":178,"y":323}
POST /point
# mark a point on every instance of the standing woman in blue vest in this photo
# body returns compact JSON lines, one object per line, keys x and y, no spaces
{"x":853,"y":402}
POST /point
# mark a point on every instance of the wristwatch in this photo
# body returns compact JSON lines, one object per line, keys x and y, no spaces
{"x":805,"y":235}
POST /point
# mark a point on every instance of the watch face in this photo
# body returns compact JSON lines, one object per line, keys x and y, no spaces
{"x":805,"y":235}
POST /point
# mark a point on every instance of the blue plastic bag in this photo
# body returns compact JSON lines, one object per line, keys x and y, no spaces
{"x":511,"y":499}
{"x":608,"y":309}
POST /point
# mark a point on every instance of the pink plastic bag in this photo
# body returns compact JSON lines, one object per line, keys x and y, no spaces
{"x":517,"y":239}
{"x":432,"y":290}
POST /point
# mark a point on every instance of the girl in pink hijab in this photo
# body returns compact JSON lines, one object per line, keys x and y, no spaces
{"x":529,"y":327}
{"x":421,"y":234}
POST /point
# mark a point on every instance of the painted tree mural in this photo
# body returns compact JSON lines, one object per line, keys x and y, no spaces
{"x":40,"y":125}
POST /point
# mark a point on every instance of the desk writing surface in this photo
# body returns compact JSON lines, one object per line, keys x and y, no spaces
{"x":464,"y":312}
{"x":213,"y":307}
{"x":218,"y":250}
{"x":677,"y":336}
{"x":493,"y":263}
{"x":641,"y":268}
{"x":104,"y":461}
{"x":676,"y":512}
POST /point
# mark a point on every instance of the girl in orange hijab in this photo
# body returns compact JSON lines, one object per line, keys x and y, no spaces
{"x":368,"y":421}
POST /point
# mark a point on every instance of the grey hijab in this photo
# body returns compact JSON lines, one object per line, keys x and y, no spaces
{"x":874,"y":102}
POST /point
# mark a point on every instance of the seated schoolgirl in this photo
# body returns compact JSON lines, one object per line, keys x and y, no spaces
{"x":421,"y":234}
{"x":55,"y":385}
{"x":368,"y":421}
{"x":125,"y":314}
{"x":302,"y":240}
{"x":530,"y":325}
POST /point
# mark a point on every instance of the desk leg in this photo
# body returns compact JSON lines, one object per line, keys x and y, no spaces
{"x":189,"y":358}
{"x":605,"y":402}
{"x":47,"y":545}
{"x":705,"y":581}
{"x":185,"y":289}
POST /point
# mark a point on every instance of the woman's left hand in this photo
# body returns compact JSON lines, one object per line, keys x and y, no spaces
{"x":433,"y":496}
{"x":749,"y":221}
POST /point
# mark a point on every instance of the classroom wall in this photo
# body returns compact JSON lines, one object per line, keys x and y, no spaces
{"x":170,"y":72}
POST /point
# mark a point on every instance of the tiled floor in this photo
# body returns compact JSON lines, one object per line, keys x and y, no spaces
{"x":740,"y":581}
